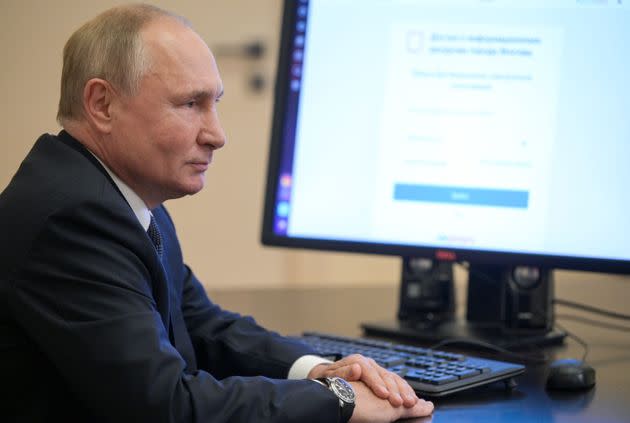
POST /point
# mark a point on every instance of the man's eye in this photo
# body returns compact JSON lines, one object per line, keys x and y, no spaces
{"x":191,"y":104}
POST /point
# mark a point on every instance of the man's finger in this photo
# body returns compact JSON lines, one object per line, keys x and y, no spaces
{"x":351,"y":372}
{"x":406,"y":392}
{"x":351,"y":359}
{"x":421,"y":409}
{"x":371,"y":376}
{"x":395,"y":398}
{"x":399,"y":387}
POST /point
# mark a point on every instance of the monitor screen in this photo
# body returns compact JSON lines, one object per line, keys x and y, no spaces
{"x":492,"y":131}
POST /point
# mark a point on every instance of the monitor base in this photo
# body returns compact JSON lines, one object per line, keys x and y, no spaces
{"x":433,"y":332}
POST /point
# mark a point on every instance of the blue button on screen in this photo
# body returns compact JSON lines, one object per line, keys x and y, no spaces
{"x":462,"y":195}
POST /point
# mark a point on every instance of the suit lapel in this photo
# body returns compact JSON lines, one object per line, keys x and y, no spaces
{"x":159,"y":276}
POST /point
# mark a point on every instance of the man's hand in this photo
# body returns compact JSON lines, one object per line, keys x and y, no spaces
{"x":371,"y":409}
{"x":383,"y":383}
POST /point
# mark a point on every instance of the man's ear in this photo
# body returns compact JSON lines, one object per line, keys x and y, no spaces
{"x":97,"y":101}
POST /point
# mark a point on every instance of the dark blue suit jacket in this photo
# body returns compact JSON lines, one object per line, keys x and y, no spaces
{"x":95,"y":327}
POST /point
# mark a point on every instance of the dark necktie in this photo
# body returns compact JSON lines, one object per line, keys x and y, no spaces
{"x":156,"y":237}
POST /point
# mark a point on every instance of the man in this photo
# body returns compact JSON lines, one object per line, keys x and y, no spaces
{"x":100,"y":320}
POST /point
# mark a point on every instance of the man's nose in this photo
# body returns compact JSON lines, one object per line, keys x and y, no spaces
{"x":212,"y":132}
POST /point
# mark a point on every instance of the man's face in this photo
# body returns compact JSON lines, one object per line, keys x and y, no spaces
{"x":163,"y":137}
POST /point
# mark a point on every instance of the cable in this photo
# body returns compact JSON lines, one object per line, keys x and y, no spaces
{"x":575,"y":338}
{"x":593,"y":322}
{"x":528,"y":358}
{"x":591,"y":309}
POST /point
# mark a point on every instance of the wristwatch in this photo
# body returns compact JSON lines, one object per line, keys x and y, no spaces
{"x":343,"y":390}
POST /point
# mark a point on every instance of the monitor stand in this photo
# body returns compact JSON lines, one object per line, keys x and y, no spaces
{"x":510,"y":307}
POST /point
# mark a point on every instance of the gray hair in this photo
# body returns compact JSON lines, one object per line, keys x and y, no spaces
{"x":108,"y":47}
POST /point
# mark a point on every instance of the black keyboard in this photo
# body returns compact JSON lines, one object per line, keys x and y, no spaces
{"x":432,"y":373}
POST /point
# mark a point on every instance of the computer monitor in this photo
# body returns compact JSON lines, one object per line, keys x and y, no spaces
{"x":494,"y":133}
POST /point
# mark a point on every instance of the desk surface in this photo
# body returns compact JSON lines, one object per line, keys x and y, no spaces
{"x":608,"y":401}
{"x":340,"y":310}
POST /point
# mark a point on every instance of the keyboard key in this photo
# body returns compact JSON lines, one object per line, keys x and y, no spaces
{"x":392,"y":361}
{"x":414,"y":375}
{"x":442,"y":379}
{"x":462,"y":374}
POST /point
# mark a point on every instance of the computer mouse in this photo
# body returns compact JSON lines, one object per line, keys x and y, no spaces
{"x":570,"y":374}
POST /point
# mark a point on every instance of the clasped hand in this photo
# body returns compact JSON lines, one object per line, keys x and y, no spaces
{"x":383,"y":385}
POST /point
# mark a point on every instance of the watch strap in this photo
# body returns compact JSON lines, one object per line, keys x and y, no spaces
{"x":346,"y":408}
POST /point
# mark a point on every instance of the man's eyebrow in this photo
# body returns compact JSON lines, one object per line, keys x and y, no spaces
{"x":206,"y":94}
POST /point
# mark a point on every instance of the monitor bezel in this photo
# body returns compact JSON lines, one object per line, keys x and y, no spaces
{"x":270,"y":238}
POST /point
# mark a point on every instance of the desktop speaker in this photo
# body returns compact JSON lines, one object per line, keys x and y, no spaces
{"x":427,"y":290}
{"x":524,"y":303}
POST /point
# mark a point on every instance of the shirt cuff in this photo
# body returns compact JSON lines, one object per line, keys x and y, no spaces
{"x":303,"y":365}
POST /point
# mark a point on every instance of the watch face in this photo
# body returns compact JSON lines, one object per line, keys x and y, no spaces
{"x":343,"y":390}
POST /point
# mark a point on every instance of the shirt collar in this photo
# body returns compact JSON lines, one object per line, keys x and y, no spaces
{"x":138,"y":206}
